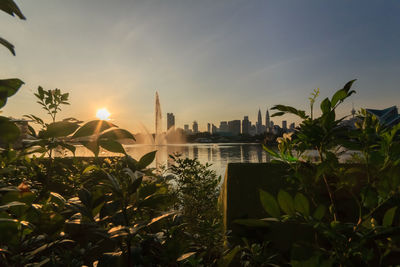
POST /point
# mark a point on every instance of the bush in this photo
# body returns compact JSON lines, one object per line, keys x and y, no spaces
{"x":197,"y":189}
{"x":334,"y":214}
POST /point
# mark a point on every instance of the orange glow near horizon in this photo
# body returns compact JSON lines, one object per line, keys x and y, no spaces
{"x":103,"y":114}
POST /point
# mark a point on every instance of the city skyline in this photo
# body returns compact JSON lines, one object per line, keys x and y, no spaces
{"x":209,"y":60}
{"x":245,"y":125}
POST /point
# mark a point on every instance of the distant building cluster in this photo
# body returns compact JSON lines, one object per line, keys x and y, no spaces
{"x":245,"y":126}
{"x":388,"y":117}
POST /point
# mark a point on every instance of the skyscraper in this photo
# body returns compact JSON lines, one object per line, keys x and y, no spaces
{"x":234,"y":127}
{"x":195,"y":127}
{"x":246,"y":125}
{"x":170,"y":120}
{"x":267,"y":121}
{"x":186,"y":127}
{"x":214,"y":129}
{"x":259,"y":123}
{"x":223,"y":127}
{"x":209,"y":127}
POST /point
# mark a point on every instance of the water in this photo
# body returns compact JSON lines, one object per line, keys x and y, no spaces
{"x":219,"y":155}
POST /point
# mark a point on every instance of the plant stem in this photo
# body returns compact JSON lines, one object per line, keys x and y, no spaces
{"x":128,"y":241}
{"x":328,"y":188}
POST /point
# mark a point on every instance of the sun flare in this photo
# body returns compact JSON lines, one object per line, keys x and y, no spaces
{"x":103,"y":114}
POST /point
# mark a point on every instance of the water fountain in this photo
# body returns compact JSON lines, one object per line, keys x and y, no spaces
{"x":159,"y":137}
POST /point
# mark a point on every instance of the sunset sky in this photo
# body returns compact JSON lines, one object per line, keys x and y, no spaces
{"x":210,"y":60}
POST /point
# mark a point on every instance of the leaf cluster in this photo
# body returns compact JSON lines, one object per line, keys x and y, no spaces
{"x":347,"y":213}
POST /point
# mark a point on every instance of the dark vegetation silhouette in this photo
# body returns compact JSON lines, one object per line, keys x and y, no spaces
{"x":117,"y":211}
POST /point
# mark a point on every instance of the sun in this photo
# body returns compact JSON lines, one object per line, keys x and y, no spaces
{"x":103,"y":114}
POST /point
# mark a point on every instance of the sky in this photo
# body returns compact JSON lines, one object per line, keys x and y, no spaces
{"x":209,"y":60}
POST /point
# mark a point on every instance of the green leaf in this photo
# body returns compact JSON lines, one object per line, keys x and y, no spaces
{"x":348,"y":85}
{"x":57,"y":198}
{"x":186,"y":256}
{"x":25,"y":197}
{"x":93,"y":127}
{"x":226,"y":260}
{"x":338,"y":96}
{"x":166,"y":215}
{"x":31,"y":131}
{"x":114,"y":183}
{"x":325,"y":106}
{"x":41,"y":93}
{"x":10,"y":205}
{"x":319,"y":212}
{"x":90,"y":168}
{"x":388,"y":217}
{"x":92,"y":146}
{"x":85,"y":197}
{"x":71,"y":148}
{"x":133,"y":186}
{"x":269,"y":203}
{"x":146,"y":160}
{"x":8,"y":45}
{"x":8,"y":88}
{"x":278,"y":114}
{"x":132,"y":163}
{"x":270,"y":151}
{"x":301,"y":204}
{"x":59,"y":129}
{"x":116,"y":134}
{"x":289,"y":109}
{"x":112,"y":146}
{"x":11,"y":8}
{"x":96,"y":210}
{"x":35,"y":119}
{"x":9,"y":131}
{"x":286,"y":202}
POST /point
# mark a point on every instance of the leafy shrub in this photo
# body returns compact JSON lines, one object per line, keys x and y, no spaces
{"x":196,"y":188}
{"x":335,"y":214}
{"x":56,"y":211}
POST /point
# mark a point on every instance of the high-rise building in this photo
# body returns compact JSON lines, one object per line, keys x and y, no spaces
{"x":170,"y":120}
{"x":223,"y":127}
{"x":246,"y":125}
{"x":186,"y":127}
{"x":214,"y":129}
{"x":209,"y":127}
{"x":267,"y":121}
{"x":234,"y":127}
{"x":253,"y":130}
{"x":259,"y":123}
{"x":195,"y":127}
{"x":291,"y":126}
{"x":284,"y":125}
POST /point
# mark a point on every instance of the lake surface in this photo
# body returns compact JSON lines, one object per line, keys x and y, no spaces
{"x":219,"y":155}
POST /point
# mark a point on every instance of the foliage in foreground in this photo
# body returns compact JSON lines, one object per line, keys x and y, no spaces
{"x":114,"y":211}
{"x":333,"y":214}
{"x":196,"y":190}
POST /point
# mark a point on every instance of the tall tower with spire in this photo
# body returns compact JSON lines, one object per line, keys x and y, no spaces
{"x":353,"y":111}
{"x":267,"y":121}
{"x":259,"y":122}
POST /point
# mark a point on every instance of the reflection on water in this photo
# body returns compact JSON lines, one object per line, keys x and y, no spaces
{"x":219,"y":155}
